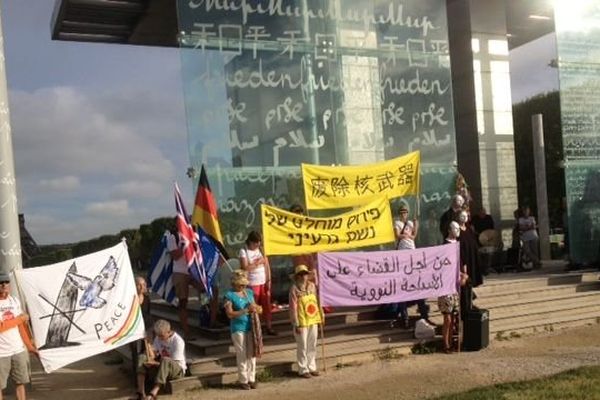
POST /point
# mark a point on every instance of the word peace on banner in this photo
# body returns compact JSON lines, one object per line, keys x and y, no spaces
{"x":350,"y":186}
{"x":82,"y":307}
{"x":288,"y":233}
{"x":379,"y":277}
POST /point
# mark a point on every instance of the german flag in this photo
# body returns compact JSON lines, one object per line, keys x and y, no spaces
{"x":205,"y":212}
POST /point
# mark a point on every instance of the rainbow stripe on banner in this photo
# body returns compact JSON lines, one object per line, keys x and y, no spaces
{"x":132,"y":321}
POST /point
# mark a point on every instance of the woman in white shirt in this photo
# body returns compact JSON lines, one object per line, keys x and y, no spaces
{"x":259,"y":275}
{"x":405,"y":230}
{"x":529,"y":236}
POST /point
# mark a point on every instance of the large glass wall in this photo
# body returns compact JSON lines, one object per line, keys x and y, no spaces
{"x":578,"y":39}
{"x":270,"y":84}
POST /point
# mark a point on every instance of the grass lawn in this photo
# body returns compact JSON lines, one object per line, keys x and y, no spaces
{"x":581,"y":383}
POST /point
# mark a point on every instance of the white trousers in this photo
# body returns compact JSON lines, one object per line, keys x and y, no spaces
{"x":246,"y":363}
{"x":306,"y":349}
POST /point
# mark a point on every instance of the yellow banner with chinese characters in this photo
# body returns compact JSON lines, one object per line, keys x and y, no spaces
{"x":289,"y":233}
{"x":350,"y":186}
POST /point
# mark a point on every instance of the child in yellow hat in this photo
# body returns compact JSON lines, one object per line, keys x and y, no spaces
{"x":306,"y":316}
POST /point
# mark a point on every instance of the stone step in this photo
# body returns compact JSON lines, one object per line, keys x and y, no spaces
{"x":501,"y":283}
{"x":539,"y":292}
{"x":350,"y":337}
{"x":335,"y":318}
{"x":572,"y":300}
{"x":542,"y":316}
{"x":549,"y":322}
{"x":209,"y":347}
{"x":360,"y":350}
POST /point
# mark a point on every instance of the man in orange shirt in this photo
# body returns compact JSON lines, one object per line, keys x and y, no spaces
{"x":14,"y":340}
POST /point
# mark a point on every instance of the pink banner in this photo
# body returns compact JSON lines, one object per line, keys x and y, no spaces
{"x":379,"y":277}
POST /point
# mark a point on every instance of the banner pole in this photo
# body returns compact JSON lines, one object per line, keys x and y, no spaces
{"x":323,"y":345}
{"x":322,"y":324}
{"x":419,"y":195}
{"x":458,"y":322}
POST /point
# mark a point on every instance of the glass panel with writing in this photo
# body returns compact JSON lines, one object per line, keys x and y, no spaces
{"x":578,"y":40}
{"x":271,"y":84}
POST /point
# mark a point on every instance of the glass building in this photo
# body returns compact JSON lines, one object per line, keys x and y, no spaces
{"x":271,"y":84}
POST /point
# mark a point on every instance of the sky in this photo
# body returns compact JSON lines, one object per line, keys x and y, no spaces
{"x":99,"y":130}
{"x":530,"y":73}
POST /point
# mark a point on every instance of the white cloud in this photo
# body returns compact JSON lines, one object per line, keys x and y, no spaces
{"x":61,"y":130}
{"x":145,"y":189}
{"x":116,"y":208}
{"x":99,"y":172}
{"x":65,"y":183}
{"x":530,"y":73}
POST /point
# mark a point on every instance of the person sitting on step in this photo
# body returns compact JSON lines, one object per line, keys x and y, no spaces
{"x":164,"y":359}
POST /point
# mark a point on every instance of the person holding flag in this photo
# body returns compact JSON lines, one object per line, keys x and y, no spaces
{"x":185,"y":251}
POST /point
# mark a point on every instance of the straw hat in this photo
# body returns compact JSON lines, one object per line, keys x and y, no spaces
{"x":239,"y":278}
{"x":301,"y":268}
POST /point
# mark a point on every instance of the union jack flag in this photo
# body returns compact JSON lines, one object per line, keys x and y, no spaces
{"x":189,"y":242}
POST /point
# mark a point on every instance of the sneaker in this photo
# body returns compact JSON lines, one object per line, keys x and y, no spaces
{"x":244,"y":386}
{"x":253,"y":385}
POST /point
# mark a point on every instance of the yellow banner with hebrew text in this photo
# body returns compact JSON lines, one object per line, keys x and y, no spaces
{"x":350,"y":186}
{"x":289,"y":233}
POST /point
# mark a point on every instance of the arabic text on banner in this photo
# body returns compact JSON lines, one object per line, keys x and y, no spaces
{"x":328,"y":187}
{"x":380,"y":277}
{"x":289,"y":233}
{"x":82,"y":307}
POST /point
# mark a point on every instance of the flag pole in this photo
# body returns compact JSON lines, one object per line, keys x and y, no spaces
{"x":226,"y":262}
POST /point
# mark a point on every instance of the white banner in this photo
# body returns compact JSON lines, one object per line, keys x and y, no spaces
{"x":82,"y":307}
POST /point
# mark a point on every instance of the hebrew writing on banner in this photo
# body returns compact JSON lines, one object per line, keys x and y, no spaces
{"x":271,"y":84}
{"x":289,"y":233}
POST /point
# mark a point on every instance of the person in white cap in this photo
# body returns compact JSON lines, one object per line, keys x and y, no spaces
{"x":14,"y":340}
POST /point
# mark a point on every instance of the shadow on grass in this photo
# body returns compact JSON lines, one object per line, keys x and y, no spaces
{"x":581,"y":383}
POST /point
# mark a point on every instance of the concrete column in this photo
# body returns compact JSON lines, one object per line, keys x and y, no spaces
{"x":463,"y":93}
{"x":10,"y":238}
{"x":539,"y":160}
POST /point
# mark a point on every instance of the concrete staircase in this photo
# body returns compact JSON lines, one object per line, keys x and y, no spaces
{"x":528,"y":302}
